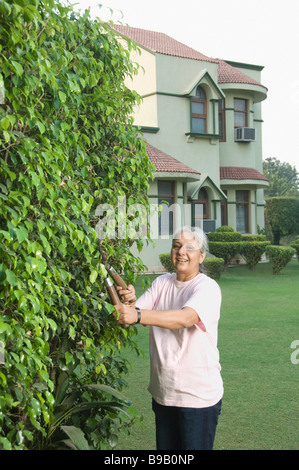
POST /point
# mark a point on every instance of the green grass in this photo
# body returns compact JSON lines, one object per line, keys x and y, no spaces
{"x":259,"y":321}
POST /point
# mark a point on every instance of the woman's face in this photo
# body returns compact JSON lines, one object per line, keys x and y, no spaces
{"x":186,"y":256}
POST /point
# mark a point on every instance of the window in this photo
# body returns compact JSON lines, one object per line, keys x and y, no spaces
{"x":224,"y":209}
{"x":166,"y":197}
{"x":240,"y":114}
{"x":199,"y":112}
{"x":221,"y":120}
{"x":204,"y":200}
{"x":200,"y":208}
{"x":242,"y":211}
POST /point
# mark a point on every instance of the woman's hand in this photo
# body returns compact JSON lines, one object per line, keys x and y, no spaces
{"x":127,"y":296}
{"x":125,"y":315}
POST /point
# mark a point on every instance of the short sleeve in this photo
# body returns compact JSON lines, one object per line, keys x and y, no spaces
{"x":151,"y":296}
{"x":206,"y":301}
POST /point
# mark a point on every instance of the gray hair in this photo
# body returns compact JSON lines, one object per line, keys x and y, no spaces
{"x":197,"y":234}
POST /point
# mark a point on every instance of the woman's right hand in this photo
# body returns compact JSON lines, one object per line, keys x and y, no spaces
{"x":127,"y":296}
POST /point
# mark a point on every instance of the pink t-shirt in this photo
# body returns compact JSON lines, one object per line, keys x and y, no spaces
{"x":185,"y":368}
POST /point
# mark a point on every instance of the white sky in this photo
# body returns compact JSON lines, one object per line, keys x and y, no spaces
{"x":261,"y":32}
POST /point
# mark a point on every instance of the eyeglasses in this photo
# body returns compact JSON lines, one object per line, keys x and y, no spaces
{"x":187,"y":247}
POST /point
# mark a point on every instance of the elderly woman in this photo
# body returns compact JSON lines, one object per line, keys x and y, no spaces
{"x":182,"y":310}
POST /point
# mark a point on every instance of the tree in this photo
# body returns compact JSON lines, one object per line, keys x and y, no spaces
{"x":67,"y":145}
{"x":282,"y":214}
{"x":283,"y":178}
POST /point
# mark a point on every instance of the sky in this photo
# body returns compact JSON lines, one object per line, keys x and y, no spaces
{"x":260,"y":32}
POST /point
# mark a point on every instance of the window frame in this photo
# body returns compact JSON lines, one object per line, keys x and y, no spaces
{"x":170,"y":199}
{"x":246,"y":205}
{"x":224,"y":219}
{"x":221,"y":112}
{"x":198,"y":99}
{"x":245,"y":112}
{"x":205,"y":203}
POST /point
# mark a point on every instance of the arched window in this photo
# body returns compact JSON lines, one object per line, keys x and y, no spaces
{"x":166,"y":198}
{"x":199,"y":112}
{"x":204,"y":200}
{"x":200,"y":208}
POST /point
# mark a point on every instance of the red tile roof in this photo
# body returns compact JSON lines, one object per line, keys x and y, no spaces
{"x":160,"y":42}
{"x":229,"y":74}
{"x":240,"y":173}
{"x":166,"y":163}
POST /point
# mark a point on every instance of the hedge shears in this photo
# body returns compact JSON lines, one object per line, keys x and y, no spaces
{"x":115,"y":276}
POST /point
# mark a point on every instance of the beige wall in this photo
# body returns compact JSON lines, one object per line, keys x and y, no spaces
{"x":239,"y":153}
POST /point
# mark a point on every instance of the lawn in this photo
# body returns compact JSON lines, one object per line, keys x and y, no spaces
{"x":259,"y":321}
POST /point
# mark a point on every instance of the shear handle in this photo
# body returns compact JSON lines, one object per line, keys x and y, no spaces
{"x":112,"y":292}
{"x":115,"y":276}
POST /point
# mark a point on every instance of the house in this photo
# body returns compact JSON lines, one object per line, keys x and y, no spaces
{"x":201,"y":118}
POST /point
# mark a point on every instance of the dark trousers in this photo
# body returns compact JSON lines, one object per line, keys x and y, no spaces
{"x":185,"y":428}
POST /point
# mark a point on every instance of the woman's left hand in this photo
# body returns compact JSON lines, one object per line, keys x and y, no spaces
{"x":126,"y":315}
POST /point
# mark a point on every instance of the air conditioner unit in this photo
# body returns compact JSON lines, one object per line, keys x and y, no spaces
{"x":245,"y":134}
{"x":209,"y":225}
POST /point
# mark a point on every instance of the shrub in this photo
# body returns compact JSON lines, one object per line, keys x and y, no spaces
{"x":225,"y":237}
{"x":67,"y":145}
{"x":225,"y":228}
{"x":252,"y":251}
{"x":279,"y":256}
{"x":254,"y":238}
{"x":225,"y":244}
{"x":214,"y":267}
{"x":165,"y":260}
{"x":225,"y":250}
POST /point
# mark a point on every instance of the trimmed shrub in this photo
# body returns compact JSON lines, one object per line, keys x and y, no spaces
{"x":214,"y":267}
{"x":279,"y":256}
{"x":165,"y":260}
{"x":225,"y":250}
{"x":252,"y":251}
{"x":225,"y":237}
{"x":225,"y":228}
{"x":225,"y":243}
{"x":254,"y":238}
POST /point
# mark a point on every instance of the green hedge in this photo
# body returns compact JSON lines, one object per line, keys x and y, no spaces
{"x":213,"y":266}
{"x":165,"y":260}
{"x":225,"y":228}
{"x":279,"y":256}
{"x":254,"y":238}
{"x":225,"y":250}
{"x":68,"y":147}
{"x":252,"y":251}
{"x":225,"y":236}
{"x":225,"y":243}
